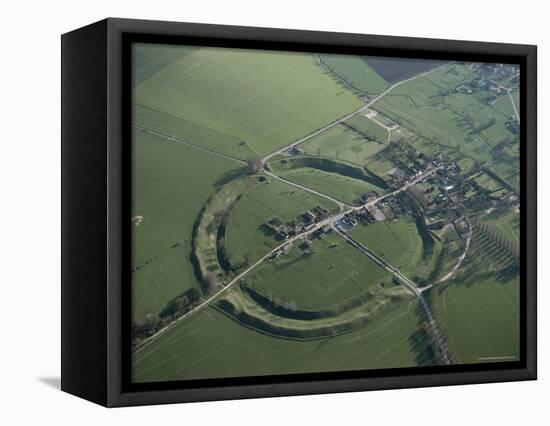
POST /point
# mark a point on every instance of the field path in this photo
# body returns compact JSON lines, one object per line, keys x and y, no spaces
{"x":350,"y":115}
{"x":462,"y":256}
{"x":330,"y":221}
{"x":190,"y":145}
{"x":408,"y":283}
{"x":509,"y":91}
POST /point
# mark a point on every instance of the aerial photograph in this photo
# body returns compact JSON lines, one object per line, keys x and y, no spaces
{"x":300,"y":212}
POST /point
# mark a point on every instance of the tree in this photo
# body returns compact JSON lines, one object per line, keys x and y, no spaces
{"x":254,"y":164}
{"x":209,"y":282}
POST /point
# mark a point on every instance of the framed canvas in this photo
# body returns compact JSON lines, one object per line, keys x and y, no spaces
{"x":252,"y":212}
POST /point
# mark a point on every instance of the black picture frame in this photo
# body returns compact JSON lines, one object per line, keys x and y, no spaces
{"x":95,"y":184}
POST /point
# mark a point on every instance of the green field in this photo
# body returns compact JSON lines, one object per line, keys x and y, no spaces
{"x":371,"y":129}
{"x":354,"y":72}
{"x":504,"y":105}
{"x":403,"y":243}
{"x":240,"y":233}
{"x":343,"y":144}
{"x":193,"y":133}
{"x":147,"y":59}
{"x":487,"y":182}
{"x":505,"y":224}
{"x":397,"y":242}
{"x":208,"y":237}
{"x":210,"y":344}
{"x":246,"y":239}
{"x":343,"y":188}
{"x":495,"y":242}
{"x":397,"y":69}
{"x":163,"y":216}
{"x":457,"y":124}
{"x":333,"y":273}
{"x":482,"y":318}
{"x":267,"y":99}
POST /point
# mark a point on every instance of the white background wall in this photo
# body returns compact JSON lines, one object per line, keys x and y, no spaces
{"x":30,"y":199}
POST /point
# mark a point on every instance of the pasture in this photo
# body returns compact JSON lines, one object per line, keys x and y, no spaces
{"x":266,"y":99}
{"x":505,"y":225}
{"x":487,"y":182}
{"x":246,"y":236}
{"x":404,"y":244}
{"x":163,"y":214}
{"x":212,"y":345}
{"x":208,"y":237}
{"x":342,"y":143}
{"x":393,"y":70}
{"x":369,"y":128}
{"x":354,"y":72}
{"x":189,"y":132}
{"x":461,"y":126}
{"x":147,"y":59}
{"x":331,"y":274}
{"x":397,"y":242}
{"x":343,"y":188}
{"x":490,"y":251}
{"x":481,"y":314}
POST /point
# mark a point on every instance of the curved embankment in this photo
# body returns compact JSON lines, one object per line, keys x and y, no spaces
{"x":329,"y":165}
{"x":204,"y":254}
{"x":284,"y":312}
{"x":238,"y":307}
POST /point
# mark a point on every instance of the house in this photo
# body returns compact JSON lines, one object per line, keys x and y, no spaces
{"x":309,"y":216}
{"x":396,"y":173}
{"x":294,"y":150}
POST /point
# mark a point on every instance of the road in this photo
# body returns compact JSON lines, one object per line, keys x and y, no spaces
{"x":509,"y":92}
{"x":328,"y":221}
{"x":408,"y":283}
{"x":340,"y":204}
{"x":380,"y":262}
{"x":462,"y":256}
{"x":347,"y":117}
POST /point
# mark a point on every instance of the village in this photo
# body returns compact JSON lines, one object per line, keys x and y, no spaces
{"x":442,"y":198}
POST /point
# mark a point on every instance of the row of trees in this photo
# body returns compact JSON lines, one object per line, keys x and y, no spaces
{"x":151,"y":324}
{"x":442,"y":345}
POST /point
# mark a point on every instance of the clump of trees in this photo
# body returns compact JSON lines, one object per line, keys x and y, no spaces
{"x":254,"y":165}
{"x":151,"y":324}
{"x":210,"y":283}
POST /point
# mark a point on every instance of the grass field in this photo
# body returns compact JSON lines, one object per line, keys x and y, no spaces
{"x":487,"y":182}
{"x":428,"y":107}
{"x":343,"y":144}
{"x":267,"y":99}
{"x":402,"y":244}
{"x":397,"y":242}
{"x":163,"y":214}
{"x":210,"y":344}
{"x":354,"y":72}
{"x":246,"y":240}
{"x":504,"y":105}
{"x":213,"y":217}
{"x":397,"y":69}
{"x":147,"y":59}
{"x":193,"y":133}
{"x":482,"y":318}
{"x":343,"y":188}
{"x":369,"y":128}
{"x":505,"y":224}
{"x":317,"y":303}
{"x":489,"y":251}
{"x":332,"y":274}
